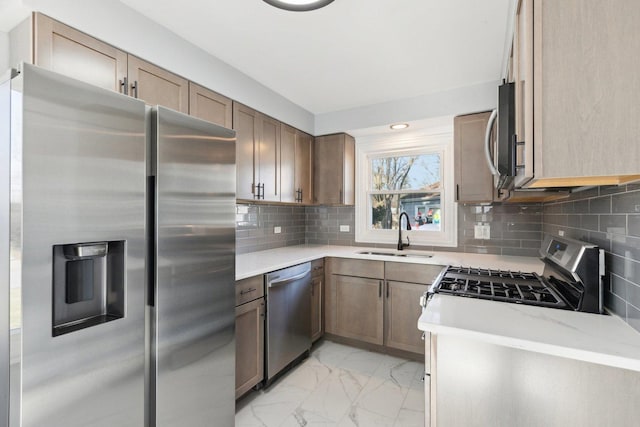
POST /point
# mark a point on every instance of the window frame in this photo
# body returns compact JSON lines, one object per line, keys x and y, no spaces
{"x":427,"y":141}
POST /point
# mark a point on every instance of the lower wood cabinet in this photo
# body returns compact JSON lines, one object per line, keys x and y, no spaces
{"x":381,"y":309}
{"x":359,"y":308}
{"x":402,"y":312}
{"x":249,"y":333}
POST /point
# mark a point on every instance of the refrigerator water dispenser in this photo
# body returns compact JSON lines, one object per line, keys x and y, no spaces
{"x":88,"y":285}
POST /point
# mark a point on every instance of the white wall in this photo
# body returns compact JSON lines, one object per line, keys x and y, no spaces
{"x":465,"y":100}
{"x":129,"y":30}
{"x":4,"y":52}
{"x":121,"y":26}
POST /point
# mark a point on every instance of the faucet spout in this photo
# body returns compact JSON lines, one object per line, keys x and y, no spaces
{"x":401,"y":245}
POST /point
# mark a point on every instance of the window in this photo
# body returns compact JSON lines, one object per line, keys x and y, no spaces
{"x":412,"y":174}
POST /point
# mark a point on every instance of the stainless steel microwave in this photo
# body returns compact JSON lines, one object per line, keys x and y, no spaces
{"x":501,"y":158}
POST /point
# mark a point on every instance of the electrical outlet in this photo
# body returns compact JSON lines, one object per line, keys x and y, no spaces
{"x":478,"y":231}
{"x":482,"y":231}
{"x":486,"y":232}
{"x":277,"y":230}
{"x":560,"y":233}
{"x":344,"y":228}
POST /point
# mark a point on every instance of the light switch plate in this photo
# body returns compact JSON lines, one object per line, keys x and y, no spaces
{"x":277,"y":230}
{"x":344,"y":228}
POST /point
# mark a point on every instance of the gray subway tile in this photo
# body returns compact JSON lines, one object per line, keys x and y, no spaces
{"x":616,"y":304}
{"x":626,"y":246}
{"x":619,"y":286}
{"x":633,"y":294}
{"x":589,"y":222}
{"x":615,"y":224}
{"x":520,"y":251}
{"x":633,"y":225}
{"x":600,"y":205}
{"x":633,"y":317}
{"x":626,"y":202}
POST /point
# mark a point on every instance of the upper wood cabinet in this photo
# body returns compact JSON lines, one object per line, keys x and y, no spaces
{"x":334,"y":170}
{"x":210,"y":106}
{"x":67,"y":51}
{"x":474,"y":181}
{"x":576,"y":92}
{"x":155,"y":85}
{"x":257,"y":150}
{"x":296,"y":167}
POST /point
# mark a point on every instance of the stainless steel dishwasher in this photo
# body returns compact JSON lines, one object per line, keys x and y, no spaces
{"x":288,"y":317}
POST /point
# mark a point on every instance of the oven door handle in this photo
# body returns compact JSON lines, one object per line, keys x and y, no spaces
{"x":487,"y":143}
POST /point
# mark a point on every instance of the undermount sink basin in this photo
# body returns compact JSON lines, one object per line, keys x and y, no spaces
{"x":408,"y":255}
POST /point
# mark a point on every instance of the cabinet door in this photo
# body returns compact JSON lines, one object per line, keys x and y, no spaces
{"x":304,"y":167}
{"x":288,"y":170}
{"x":269,"y":161}
{"x":208,"y":105}
{"x":245,"y":123}
{"x":249,"y":345}
{"x":359,"y":308}
{"x":349,"y":171}
{"x":328,"y":171}
{"x":157,"y":86}
{"x":70,"y":52}
{"x":523,"y":78}
{"x":474,"y":182}
{"x":316,"y":308}
{"x":402,"y":308}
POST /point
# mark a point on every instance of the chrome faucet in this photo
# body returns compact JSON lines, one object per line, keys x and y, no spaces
{"x":400,"y":244}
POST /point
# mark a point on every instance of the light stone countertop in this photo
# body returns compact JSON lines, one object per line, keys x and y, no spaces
{"x":255,"y":263}
{"x":589,"y":337}
{"x":595,"y":338}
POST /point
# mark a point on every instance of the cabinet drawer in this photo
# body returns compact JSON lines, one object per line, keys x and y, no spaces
{"x":357,"y":268}
{"x":249,"y":289}
{"x":413,"y":273}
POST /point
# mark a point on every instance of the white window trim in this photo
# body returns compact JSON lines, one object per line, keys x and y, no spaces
{"x":434,"y":140}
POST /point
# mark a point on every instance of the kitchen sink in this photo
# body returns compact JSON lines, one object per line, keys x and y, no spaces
{"x":398,"y":254}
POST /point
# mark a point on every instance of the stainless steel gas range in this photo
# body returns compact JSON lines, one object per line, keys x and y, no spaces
{"x":571,"y":279}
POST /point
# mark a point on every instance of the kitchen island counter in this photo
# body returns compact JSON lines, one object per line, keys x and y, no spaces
{"x":601,"y":339}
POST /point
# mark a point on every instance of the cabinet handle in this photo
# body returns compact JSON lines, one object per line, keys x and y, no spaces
{"x":487,"y":143}
{"x":514,"y":155}
{"x":124,"y":86}
{"x":379,"y":288}
{"x":134,"y":89}
{"x":387,"y":290}
{"x":301,"y":193}
{"x":341,"y":198}
{"x":248,"y":291}
{"x":261,"y":195}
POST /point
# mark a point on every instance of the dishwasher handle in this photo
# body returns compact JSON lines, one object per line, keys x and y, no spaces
{"x":286,"y":280}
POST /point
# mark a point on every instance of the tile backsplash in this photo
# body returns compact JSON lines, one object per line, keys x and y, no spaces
{"x":515,"y":229}
{"x":610,"y":218}
{"x":255,"y":227}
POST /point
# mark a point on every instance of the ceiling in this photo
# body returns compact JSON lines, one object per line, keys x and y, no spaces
{"x":350,"y":54}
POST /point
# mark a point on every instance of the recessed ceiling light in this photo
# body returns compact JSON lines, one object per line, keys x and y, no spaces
{"x":298,"y":5}
{"x":399,"y":126}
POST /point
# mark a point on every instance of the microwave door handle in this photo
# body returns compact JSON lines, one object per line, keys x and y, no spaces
{"x":487,"y":143}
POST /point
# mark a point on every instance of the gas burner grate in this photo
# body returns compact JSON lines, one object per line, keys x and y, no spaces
{"x":497,"y":285}
{"x":492,"y":273}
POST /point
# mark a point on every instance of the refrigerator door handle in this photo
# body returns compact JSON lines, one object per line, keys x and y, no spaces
{"x":151,"y":241}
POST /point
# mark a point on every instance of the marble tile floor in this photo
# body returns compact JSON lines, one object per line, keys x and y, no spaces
{"x":340,"y":386}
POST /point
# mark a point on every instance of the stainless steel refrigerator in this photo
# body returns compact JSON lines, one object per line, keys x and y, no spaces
{"x":117,"y":260}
